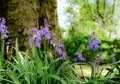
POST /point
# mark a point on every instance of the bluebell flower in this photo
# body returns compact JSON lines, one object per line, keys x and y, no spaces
{"x":7,"y":45}
{"x":93,"y":63}
{"x":36,"y":38}
{"x":61,"y":58}
{"x":38,"y":34}
{"x":31,"y":40}
{"x":63,"y":55}
{"x":96,"y":62}
{"x":3,"y":28}
{"x":75,"y":59}
{"x":3,"y":21}
{"x":99,"y":57}
{"x":58,"y":50}
{"x":37,"y":43}
{"x":48,"y":36}
{"x":52,"y":42}
{"x":80,"y":57}
{"x":61,"y":45}
{"x":93,"y":44}
{"x":46,"y":23}
{"x":43,"y":33}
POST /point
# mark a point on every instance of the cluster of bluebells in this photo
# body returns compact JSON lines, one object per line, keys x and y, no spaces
{"x":59,"y":49}
{"x":96,"y":61}
{"x":39,"y":33}
{"x":3,"y":28}
{"x":43,"y":33}
{"x":93,"y":44}
{"x":79,"y":58}
{"x":7,"y":44}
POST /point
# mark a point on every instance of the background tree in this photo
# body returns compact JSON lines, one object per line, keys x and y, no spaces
{"x":86,"y":17}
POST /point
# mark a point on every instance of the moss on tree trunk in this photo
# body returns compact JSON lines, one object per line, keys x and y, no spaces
{"x":48,"y":10}
{"x":21,"y":15}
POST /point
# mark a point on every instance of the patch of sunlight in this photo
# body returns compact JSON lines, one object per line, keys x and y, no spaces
{"x":87,"y":70}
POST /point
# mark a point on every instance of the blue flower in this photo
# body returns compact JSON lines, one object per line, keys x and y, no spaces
{"x":96,"y":60}
{"x":63,"y":55}
{"x":3,"y":28}
{"x":93,"y":44}
{"x":37,"y":43}
{"x":38,"y":34}
{"x":61,"y":45}
{"x":99,"y":57}
{"x":7,"y":45}
{"x":36,"y":38}
{"x":58,"y":50}
{"x":61,"y":58}
{"x":48,"y":36}
{"x":46,"y":23}
{"x":52,"y":42}
{"x":31,"y":40}
{"x":75,"y":59}
{"x":80,"y":57}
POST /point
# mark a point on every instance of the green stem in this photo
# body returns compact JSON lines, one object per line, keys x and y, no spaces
{"x":100,"y":73}
{"x":82,"y":72}
{"x":45,"y":46}
{"x":93,"y":71}
{"x":2,"y":53}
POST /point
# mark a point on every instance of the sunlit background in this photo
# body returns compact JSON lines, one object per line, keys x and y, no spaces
{"x":64,"y":19}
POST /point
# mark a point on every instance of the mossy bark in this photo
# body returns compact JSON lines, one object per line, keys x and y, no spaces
{"x":48,"y":10}
{"x":21,"y":15}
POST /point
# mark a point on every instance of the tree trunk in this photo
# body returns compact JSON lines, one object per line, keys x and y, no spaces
{"x":48,"y":10}
{"x":22,"y":14}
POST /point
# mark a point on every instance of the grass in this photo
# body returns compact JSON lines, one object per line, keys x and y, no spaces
{"x":39,"y":67}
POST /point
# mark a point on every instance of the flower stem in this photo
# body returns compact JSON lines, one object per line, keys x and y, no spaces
{"x":2,"y":53}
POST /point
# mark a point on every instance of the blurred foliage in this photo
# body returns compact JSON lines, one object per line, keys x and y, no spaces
{"x":89,"y":18}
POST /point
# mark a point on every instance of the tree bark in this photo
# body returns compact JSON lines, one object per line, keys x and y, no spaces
{"x":22,"y":14}
{"x":48,"y":10}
